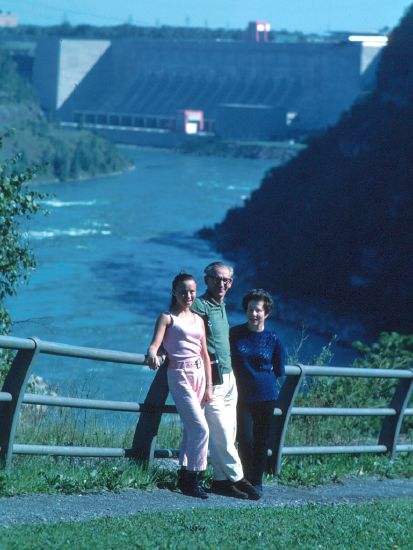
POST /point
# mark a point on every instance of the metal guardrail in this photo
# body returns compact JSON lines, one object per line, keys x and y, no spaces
{"x":150,"y":412}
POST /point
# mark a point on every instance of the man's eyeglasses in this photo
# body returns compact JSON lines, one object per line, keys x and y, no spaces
{"x":218,"y":280}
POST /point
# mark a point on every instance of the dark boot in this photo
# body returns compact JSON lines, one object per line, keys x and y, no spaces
{"x":191,"y":486}
{"x":181,"y":483}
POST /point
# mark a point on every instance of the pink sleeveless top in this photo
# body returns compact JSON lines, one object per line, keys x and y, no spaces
{"x":182,"y":340}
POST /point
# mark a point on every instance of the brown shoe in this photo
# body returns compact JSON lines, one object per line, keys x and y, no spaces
{"x":245,"y":486}
{"x":227,"y":489}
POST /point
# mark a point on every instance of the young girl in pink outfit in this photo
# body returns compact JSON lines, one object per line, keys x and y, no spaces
{"x":182,"y":334}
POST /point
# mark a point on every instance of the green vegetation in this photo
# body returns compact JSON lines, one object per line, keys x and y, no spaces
{"x":390,"y":351}
{"x":332,"y":225}
{"x":60,"y":426}
{"x":61,"y":154}
{"x":16,"y":260}
{"x":13,"y":88}
{"x":75,"y":476}
{"x":65,"y":154}
{"x":45,"y":475}
{"x":313,"y":471}
{"x":359,"y":526}
{"x":129,"y":30}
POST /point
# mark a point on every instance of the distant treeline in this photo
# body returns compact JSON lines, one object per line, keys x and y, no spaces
{"x":335,"y":223}
{"x":128,"y":30}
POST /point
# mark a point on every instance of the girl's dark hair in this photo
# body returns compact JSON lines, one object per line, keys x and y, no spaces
{"x":180,"y":278}
{"x":258,"y":295}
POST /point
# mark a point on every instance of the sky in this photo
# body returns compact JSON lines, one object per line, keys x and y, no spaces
{"x":293,"y":15}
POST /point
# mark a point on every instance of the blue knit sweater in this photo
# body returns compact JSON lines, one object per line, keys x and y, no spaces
{"x":258,"y":361}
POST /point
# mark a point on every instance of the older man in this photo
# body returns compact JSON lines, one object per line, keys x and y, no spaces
{"x":221,"y":411}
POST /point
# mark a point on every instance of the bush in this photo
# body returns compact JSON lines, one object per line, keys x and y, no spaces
{"x":391,"y":351}
{"x":17,"y":201}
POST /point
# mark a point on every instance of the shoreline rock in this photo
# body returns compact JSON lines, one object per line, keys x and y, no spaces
{"x":281,"y":152}
{"x":317,"y":317}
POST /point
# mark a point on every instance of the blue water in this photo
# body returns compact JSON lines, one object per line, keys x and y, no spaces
{"x":107,"y":253}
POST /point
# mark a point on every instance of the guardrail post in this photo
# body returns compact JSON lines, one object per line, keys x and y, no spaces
{"x":144,"y":440}
{"x":286,"y":398}
{"x":390,"y":429}
{"x":15,"y":383}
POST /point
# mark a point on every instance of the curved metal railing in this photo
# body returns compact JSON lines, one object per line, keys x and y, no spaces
{"x":143,"y":448}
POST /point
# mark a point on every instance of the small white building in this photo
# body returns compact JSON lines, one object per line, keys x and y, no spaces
{"x":8,"y":19}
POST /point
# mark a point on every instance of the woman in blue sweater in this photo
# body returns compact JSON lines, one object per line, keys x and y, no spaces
{"x":258,"y":363}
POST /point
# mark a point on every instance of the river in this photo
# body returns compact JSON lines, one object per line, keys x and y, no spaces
{"x":107,"y":253}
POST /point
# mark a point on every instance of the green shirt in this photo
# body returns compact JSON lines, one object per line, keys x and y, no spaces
{"x":217,"y":329}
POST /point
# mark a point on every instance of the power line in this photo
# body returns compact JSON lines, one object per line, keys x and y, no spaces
{"x":64,"y":11}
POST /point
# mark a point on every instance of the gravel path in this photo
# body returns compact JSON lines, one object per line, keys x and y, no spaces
{"x":67,"y":508}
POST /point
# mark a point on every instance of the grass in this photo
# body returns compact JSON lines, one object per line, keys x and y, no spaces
{"x":384,"y":525}
{"x":314,"y":471}
{"x":80,"y":476}
{"x":75,"y":476}
{"x":67,"y":475}
{"x":63,"y":426}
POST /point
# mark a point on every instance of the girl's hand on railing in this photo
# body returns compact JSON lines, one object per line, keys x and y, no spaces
{"x":153,"y":361}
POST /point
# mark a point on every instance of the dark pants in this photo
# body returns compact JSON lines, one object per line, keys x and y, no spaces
{"x":253,"y":431}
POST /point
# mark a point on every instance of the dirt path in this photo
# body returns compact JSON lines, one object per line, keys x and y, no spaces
{"x":68,"y":508}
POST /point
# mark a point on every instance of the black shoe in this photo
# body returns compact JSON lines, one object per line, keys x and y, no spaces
{"x":227,"y":489}
{"x":245,"y":486}
{"x":197,"y":492}
{"x":190,"y":487}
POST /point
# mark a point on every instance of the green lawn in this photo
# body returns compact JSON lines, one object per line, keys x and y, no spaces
{"x":375,"y":525}
{"x":31,"y":475}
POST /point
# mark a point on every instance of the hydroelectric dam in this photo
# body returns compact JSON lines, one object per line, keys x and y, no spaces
{"x":156,"y":91}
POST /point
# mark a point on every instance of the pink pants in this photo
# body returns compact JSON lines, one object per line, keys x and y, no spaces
{"x":186,"y":381}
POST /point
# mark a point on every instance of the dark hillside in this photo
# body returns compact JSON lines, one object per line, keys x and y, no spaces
{"x":336,"y":222}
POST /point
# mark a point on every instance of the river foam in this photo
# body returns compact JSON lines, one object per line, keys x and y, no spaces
{"x":59,"y":204}
{"x":71,"y":232}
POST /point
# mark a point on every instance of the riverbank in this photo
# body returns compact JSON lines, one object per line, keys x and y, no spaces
{"x":312,"y":317}
{"x":39,"y":182}
{"x":320,"y":319}
{"x":281,"y":151}
{"x":317,"y":317}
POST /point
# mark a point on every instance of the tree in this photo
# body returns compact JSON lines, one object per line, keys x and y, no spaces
{"x":17,"y":202}
{"x":13,"y":88}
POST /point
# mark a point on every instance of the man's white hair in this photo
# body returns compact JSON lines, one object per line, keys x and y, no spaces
{"x":212,"y":266}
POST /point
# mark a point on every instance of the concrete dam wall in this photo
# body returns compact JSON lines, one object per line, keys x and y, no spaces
{"x":126,"y":81}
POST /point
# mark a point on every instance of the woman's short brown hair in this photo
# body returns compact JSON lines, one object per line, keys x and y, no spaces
{"x":258,"y":295}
